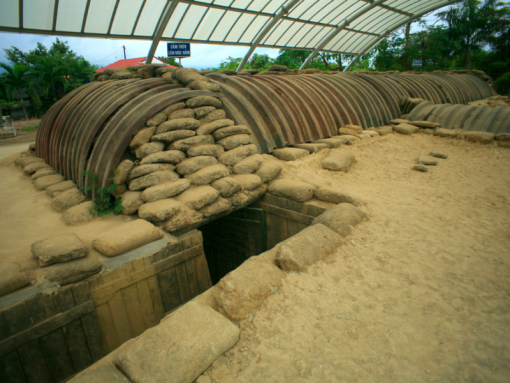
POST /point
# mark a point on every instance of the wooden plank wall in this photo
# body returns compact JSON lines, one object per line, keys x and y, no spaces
{"x":48,"y":338}
{"x":137,"y":296}
{"x":285,"y":217}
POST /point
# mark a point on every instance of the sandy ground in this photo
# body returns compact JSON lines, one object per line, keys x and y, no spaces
{"x":26,"y":216}
{"x":419,"y":293}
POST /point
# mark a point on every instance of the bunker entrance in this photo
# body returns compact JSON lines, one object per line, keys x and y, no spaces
{"x":231,"y":240}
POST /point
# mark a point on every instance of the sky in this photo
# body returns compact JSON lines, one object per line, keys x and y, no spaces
{"x":106,"y":51}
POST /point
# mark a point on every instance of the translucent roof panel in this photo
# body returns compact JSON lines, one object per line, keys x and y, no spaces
{"x":346,"y":26}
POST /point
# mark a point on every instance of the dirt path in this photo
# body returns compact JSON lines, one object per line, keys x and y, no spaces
{"x":419,"y":293}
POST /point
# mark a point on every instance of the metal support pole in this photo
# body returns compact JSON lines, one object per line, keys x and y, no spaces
{"x":160,"y":29}
{"x":407,"y":20}
{"x":285,"y":9}
{"x":337,"y":30}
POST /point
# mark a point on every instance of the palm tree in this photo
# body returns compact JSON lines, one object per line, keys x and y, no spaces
{"x":473,"y":24}
{"x":50,"y":74}
{"x":17,"y":79}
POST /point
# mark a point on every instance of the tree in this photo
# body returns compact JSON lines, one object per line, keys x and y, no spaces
{"x":260,"y":62}
{"x":170,"y":61}
{"x":473,"y":24}
{"x":17,"y":79}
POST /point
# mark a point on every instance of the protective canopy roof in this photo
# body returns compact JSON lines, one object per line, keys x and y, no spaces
{"x":337,"y":26}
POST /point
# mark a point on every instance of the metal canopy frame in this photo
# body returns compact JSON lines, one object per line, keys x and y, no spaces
{"x":351,"y":27}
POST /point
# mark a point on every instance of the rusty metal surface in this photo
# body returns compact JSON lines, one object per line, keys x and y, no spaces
{"x":286,"y":110}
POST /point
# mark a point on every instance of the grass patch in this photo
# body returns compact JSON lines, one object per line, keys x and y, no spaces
{"x":29,"y":128}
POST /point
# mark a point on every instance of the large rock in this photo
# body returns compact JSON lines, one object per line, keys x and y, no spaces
{"x":168,"y":156}
{"x":160,"y":210}
{"x":152,"y":179}
{"x":142,"y":137}
{"x":427,"y":160}
{"x":80,"y":213}
{"x":307,"y":247}
{"x":196,"y":102}
{"x":174,"y":135}
{"x":481,"y":137}
{"x":192,"y":165}
{"x":34,"y":167}
{"x":227,"y":186}
{"x":228,"y":131}
{"x":341,"y":218}
{"x":249,"y":164}
{"x":198,"y":197}
{"x":290,"y":154}
{"x":232,"y":157}
{"x":213,"y":116}
{"x":248,"y":181}
{"x":205,"y":150}
{"x":178,"y":124}
{"x":295,"y":190}
{"x":62,"y":248}
{"x":268,"y":171}
{"x":332,"y":195}
{"x":43,"y":173}
{"x":166,"y":190}
{"x":68,"y":199}
{"x":208,"y":174}
{"x":232,"y":142}
{"x":122,"y":172}
{"x":243,"y":290}
{"x":44,"y":182}
{"x":131,"y":201}
{"x":210,"y":127}
{"x":192,"y":338}
{"x":338,"y":160}
{"x":406,"y":129}
{"x":203,"y":110}
{"x":142,"y":170}
{"x":150,"y":148}
{"x":127,"y":237}
{"x":57,"y":189}
{"x":12,"y":278}
{"x":73,"y":271}
{"x":441,"y":132}
{"x":187,"y":143}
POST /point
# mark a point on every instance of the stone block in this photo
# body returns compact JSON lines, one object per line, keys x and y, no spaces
{"x":178,"y":124}
{"x":312,"y":148}
{"x":160,"y":210}
{"x":182,"y":113}
{"x":142,"y":137}
{"x":68,"y":199}
{"x":341,"y":218}
{"x":165,"y":190}
{"x":248,"y":181}
{"x":44,"y":182}
{"x":268,"y":171}
{"x":228,"y":131}
{"x":131,"y":201}
{"x":307,"y":247}
{"x":227,"y":186}
{"x":481,"y":137}
{"x":421,"y":168}
{"x":208,"y":174}
{"x":73,"y":271}
{"x":187,"y":143}
{"x":101,"y":373}
{"x":142,"y":170}
{"x":211,"y":127}
{"x":34,"y":167}
{"x":80,"y":213}
{"x":174,"y":135}
{"x":149,"y":148}
{"x":196,"y":102}
{"x":192,"y":165}
{"x":152,"y":179}
{"x":198,"y":197}
{"x":249,"y":164}
{"x":205,"y":150}
{"x":57,"y":189}
{"x":192,"y":338}
{"x":439,"y":155}
{"x":126,"y":237}
{"x":166,"y":157}
{"x":332,"y":195}
{"x":315,"y":180}
{"x":427,"y":160}
{"x":406,"y":129}
{"x":203,"y":110}
{"x":12,"y":278}
{"x":213,"y":116}
{"x":290,"y":154}
{"x":43,"y":173}
{"x":122,"y":172}
{"x":232,"y":142}
{"x":338,"y":160}
{"x":441,"y":132}
{"x":232,"y":157}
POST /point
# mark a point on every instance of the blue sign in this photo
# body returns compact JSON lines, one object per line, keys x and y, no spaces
{"x":179,"y":49}
{"x":417,"y":63}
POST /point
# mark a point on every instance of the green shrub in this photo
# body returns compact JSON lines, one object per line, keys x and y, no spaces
{"x":29,"y":128}
{"x":105,"y":202}
{"x":502,"y":84}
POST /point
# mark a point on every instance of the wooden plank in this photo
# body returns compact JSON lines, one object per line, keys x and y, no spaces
{"x":43,"y":328}
{"x":202,"y":272}
{"x":40,"y":308}
{"x":81,"y":292}
{"x":276,"y":230}
{"x":169,"y":289}
{"x":17,"y":318}
{"x":64,"y":299}
{"x":157,"y":302}
{"x":138,"y":264}
{"x":77,"y":344}
{"x":133,"y":309}
{"x":294,"y":227}
{"x":4,"y":330}
{"x":192,"y":277}
{"x":10,"y":369}
{"x":56,"y":354}
{"x":120,"y":318}
{"x":94,"y":336}
{"x":114,"y":275}
{"x":33,"y":363}
{"x":149,"y":316}
{"x":288,"y":214}
{"x":107,"y":291}
{"x":182,"y":280}
{"x":105,"y":319}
